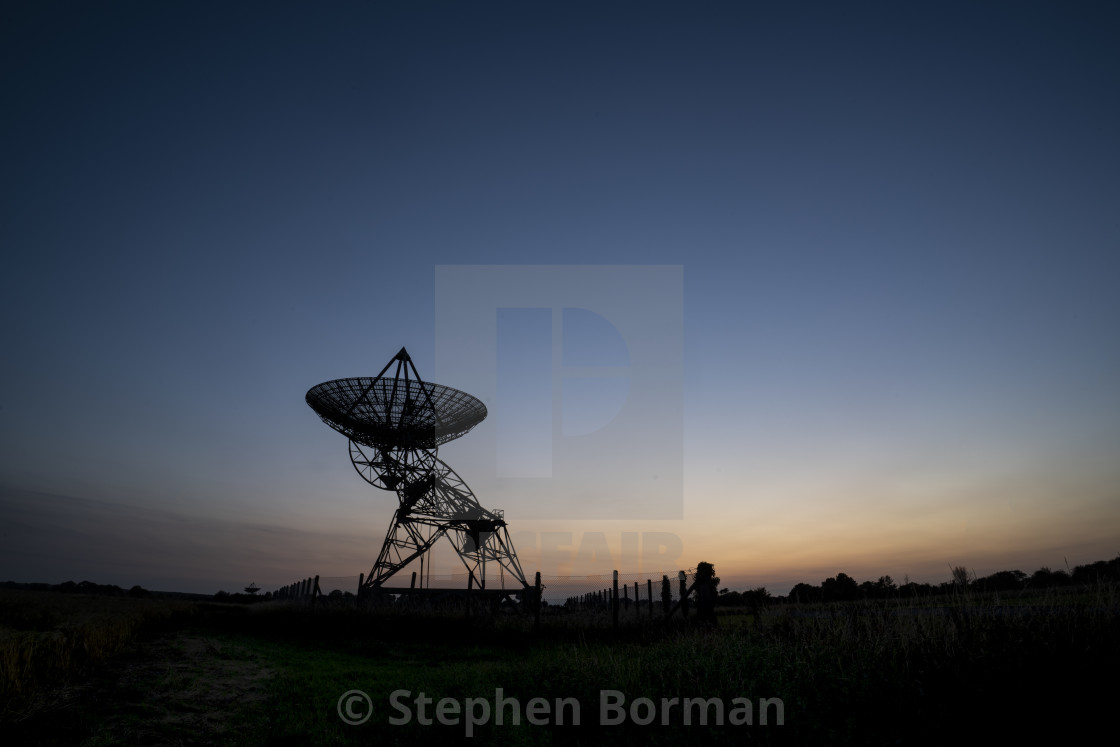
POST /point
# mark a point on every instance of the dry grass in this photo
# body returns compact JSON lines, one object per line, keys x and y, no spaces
{"x":46,"y":639}
{"x":899,"y":672}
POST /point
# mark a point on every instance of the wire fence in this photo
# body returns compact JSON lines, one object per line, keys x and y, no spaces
{"x":635,"y":590}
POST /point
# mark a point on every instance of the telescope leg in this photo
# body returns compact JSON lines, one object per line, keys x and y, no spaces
{"x":405,"y":541}
{"x":490,"y":546}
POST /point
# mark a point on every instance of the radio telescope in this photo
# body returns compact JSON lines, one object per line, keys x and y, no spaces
{"x":396,"y":424}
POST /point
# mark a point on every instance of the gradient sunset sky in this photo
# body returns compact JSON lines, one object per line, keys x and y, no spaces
{"x":896,"y":228}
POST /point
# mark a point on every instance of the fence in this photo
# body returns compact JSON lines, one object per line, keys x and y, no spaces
{"x":308,"y":588}
{"x":633,"y":594}
{"x":634,"y":590}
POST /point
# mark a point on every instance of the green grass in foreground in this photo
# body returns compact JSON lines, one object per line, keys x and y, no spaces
{"x":846,"y":674}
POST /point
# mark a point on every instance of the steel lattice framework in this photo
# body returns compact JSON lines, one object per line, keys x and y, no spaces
{"x":395,"y":425}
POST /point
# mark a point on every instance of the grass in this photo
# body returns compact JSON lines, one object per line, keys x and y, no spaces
{"x":855,"y":673}
{"x":47,"y":639}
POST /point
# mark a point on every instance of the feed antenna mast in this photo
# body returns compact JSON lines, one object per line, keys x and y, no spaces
{"x":396,"y":424}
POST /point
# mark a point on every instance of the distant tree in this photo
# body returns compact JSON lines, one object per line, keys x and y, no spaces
{"x":1001,"y":581}
{"x":755,"y":599}
{"x":961,"y":577}
{"x":839,"y":588}
{"x":728,"y":598}
{"x":912,"y":589}
{"x":707,"y":571}
{"x":1044,"y":577}
{"x":1102,"y":570}
{"x":707,"y":584}
{"x":804,"y":593}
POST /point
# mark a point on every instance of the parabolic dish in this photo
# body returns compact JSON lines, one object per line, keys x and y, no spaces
{"x":395,"y":413}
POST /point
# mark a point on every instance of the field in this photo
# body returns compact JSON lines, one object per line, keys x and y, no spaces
{"x":93,"y":670}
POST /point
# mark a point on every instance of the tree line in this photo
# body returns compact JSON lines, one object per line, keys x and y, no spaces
{"x":844,"y":588}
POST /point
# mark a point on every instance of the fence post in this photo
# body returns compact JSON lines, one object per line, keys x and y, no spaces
{"x":666,"y":595}
{"x":361,"y":582}
{"x":649,"y":590}
{"x":539,"y":598}
{"x":637,"y":607}
{"x":684,"y":594}
{"x":614,"y":608}
{"x":413,"y":584}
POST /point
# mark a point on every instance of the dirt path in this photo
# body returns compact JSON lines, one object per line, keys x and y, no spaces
{"x":181,"y":687}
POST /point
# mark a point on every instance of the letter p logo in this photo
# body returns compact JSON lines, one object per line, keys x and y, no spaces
{"x":581,"y":368}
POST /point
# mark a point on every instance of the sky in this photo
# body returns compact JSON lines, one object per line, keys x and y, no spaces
{"x":845,"y":272}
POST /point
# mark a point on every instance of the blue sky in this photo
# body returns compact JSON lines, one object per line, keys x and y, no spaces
{"x":896,"y":226}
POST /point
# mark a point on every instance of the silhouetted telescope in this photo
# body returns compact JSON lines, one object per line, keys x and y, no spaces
{"x":398,"y":412}
{"x":396,"y":423}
